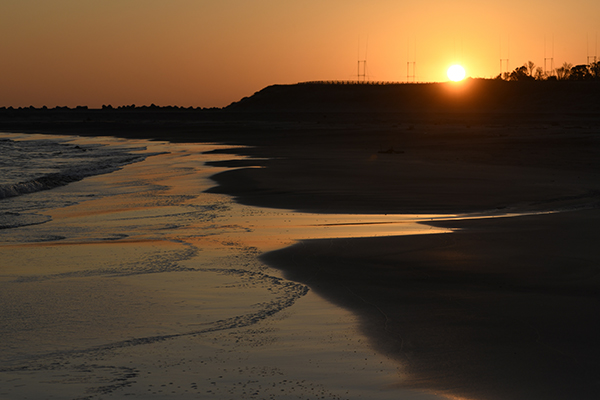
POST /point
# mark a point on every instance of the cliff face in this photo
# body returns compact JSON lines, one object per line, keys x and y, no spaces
{"x":472,"y":95}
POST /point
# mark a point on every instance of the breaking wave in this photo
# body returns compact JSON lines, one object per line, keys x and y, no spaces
{"x":56,"y":179}
{"x":29,"y":166}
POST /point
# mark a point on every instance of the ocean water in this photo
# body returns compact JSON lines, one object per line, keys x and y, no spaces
{"x":121,"y":277}
{"x":30,"y":165}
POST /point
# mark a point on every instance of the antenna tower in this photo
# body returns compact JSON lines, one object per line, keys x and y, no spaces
{"x":592,"y":59}
{"x":362,"y":72}
{"x":504,"y":68}
{"x":411,"y":66}
{"x":410,"y":71}
{"x":549,"y":60}
{"x":362,"y":64}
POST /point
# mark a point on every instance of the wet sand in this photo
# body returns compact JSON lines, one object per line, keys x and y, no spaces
{"x":142,"y":285}
{"x":503,"y":309}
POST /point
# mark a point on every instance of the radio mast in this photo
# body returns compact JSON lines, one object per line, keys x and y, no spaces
{"x":411,"y":66}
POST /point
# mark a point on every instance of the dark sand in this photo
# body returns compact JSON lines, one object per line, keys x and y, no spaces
{"x":504,"y":309}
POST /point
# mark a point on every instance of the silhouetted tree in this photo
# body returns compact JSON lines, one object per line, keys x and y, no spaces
{"x":580,"y":73}
{"x":595,"y":70}
{"x":562,"y":73}
{"x":520,"y":74}
{"x":539,"y":74}
{"x":530,"y":67}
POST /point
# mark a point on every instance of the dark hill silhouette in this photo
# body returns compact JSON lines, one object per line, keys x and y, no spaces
{"x":472,"y":95}
{"x":283,"y":107}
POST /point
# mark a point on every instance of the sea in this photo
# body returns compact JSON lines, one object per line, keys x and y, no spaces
{"x":122,"y":276}
{"x":31,"y":165}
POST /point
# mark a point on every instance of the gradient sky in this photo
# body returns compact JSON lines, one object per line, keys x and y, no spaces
{"x":211,"y":53}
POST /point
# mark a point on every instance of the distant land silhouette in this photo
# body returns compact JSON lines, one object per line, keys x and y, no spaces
{"x":471,"y":95}
{"x":484,"y":100}
{"x":529,"y":71}
{"x":480,"y":94}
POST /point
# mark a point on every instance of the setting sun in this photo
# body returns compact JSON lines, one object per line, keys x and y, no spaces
{"x":456,"y":73}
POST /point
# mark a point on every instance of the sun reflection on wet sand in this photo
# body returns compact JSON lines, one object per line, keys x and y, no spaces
{"x":147,"y":266}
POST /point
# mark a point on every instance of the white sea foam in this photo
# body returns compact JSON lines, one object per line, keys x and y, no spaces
{"x":31,"y":164}
{"x":28,"y":166}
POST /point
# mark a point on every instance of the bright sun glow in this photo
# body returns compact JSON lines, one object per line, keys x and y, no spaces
{"x":456,"y":73}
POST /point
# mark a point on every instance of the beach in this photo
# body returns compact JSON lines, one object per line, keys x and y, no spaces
{"x":501,"y":308}
{"x":138,"y":283}
{"x":492,"y":295}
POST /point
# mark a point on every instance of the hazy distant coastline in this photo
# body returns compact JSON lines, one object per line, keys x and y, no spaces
{"x":304,"y":107}
{"x":471,"y":95}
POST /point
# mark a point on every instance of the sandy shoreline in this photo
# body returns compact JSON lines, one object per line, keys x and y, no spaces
{"x":505,"y":308}
{"x":139,"y":285}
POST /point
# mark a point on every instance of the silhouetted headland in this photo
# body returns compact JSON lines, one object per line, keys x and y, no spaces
{"x":469,"y":96}
{"x":479,"y":99}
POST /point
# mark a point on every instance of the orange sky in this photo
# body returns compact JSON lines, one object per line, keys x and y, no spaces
{"x":210,"y":53}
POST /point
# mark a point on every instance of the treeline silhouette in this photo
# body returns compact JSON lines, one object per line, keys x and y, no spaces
{"x":351,"y":82}
{"x":527,"y":72}
{"x":567,"y":72}
{"x":108,"y":107}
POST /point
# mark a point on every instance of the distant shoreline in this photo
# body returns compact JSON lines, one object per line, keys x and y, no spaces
{"x":339,"y":95}
{"x":256,"y":119}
